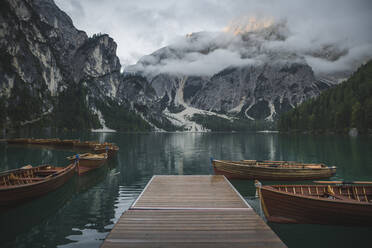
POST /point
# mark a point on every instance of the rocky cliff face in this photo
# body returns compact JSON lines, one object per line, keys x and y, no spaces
{"x":51,"y":71}
{"x":256,"y":92}
{"x":251,"y":92}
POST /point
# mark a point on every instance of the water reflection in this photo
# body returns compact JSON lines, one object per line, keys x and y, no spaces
{"x":25,"y":217}
{"x":82,"y":215}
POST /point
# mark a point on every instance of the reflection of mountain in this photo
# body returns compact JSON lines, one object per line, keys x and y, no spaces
{"x":164,"y":153}
{"x":180,"y":153}
{"x":345,"y":153}
{"x":188,"y":153}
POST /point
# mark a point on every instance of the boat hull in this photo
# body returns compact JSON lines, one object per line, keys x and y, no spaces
{"x":66,"y":142}
{"x":18,"y":141}
{"x":19,"y":194}
{"x":88,"y":161}
{"x":236,"y":171}
{"x":86,"y":144}
{"x":111,"y":152}
{"x":283,"y":207}
{"x":85,"y":166}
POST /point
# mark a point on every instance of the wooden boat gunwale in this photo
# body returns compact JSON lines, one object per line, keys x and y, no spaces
{"x":322,"y":199}
{"x":323,"y":166}
{"x":84,"y":156}
{"x":110,"y":147}
{"x":67,"y":142}
{"x":86,"y":144}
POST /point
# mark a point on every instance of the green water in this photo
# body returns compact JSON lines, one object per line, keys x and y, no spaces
{"x":81,"y":213}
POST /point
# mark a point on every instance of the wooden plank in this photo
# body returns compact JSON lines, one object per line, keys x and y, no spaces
{"x":171,"y":192}
{"x":190,"y":211}
{"x":186,"y":228}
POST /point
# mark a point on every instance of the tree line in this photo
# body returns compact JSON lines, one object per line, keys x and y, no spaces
{"x":348,"y":105}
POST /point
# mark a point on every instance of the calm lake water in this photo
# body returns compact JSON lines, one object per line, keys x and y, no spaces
{"x":81,"y":213}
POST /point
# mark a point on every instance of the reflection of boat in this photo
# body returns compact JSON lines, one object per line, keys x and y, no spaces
{"x":271,"y":170}
{"x":31,"y":214}
{"x":88,"y":161}
{"x":21,"y":185}
{"x":321,"y":204}
{"x":18,"y":141}
{"x":89,"y":180}
{"x":110,"y":149}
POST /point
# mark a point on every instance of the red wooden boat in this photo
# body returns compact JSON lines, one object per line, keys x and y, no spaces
{"x":271,"y":170}
{"x":24,"y":184}
{"x":88,"y":161}
{"x":343,"y":204}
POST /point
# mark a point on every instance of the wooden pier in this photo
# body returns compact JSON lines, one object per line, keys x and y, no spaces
{"x":190,"y":211}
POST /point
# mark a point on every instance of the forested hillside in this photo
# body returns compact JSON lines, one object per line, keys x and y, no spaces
{"x":348,"y":105}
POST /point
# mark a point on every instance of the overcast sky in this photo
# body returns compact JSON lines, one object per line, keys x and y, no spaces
{"x":140,"y":27}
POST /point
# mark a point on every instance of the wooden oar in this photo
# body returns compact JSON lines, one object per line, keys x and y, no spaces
{"x":343,"y":182}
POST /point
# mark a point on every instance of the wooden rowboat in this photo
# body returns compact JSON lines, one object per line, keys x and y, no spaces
{"x":54,"y":141}
{"x":42,"y":141}
{"x":24,"y":184}
{"x":110,"y":149}
{"x":271,"y":170}
{"x":86,"y":144}
{"x":67,"y":142}
{"x":88,"y":161}
{"x":18,"y":141}
{"x":344,"y":204}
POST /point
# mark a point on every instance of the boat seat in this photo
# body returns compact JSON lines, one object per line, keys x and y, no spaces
{"x":46,"y":171}
{"x":29,"y":178}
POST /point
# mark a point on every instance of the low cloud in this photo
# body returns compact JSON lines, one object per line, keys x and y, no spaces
{"x":196,"y":63}
{"x":346,"y":63}
{"x":143,"y":26}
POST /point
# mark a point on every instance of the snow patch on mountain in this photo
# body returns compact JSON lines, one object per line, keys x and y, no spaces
{"x":102,"y":121}
{"x":272,"y":112}
{"x":239,"y":107}
{"x":183,"y":118}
